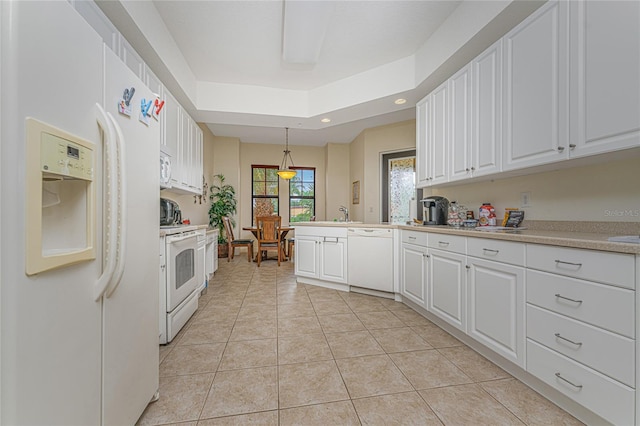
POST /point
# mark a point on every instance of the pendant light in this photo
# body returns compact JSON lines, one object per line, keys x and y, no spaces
{"x":285,"y":172}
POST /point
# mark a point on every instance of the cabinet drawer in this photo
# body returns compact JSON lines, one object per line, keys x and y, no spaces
{"x":606,"y":352}
{"x":604,"y":306}
{"x":605,"y":267}
{"x":604,"y":396}
{"x":500,"y":251}
{"x":454,"y":243}
{"x":415,"y":237}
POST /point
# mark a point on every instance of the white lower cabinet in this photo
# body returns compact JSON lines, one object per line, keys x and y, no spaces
{"x":321,"y":257}
{"x":581,"y":332}
{"x":414,"y":270}
{"x":333,"y":259}
{"x":447,"y":284}
{"x":496,"y":307}
{"x":307,"y":257}
{"x":604,"y":396}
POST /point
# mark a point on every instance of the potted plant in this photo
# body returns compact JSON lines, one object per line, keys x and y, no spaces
{"x":223,"y":203}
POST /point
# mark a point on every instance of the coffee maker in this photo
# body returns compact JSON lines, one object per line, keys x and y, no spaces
{"x":435,"y":210}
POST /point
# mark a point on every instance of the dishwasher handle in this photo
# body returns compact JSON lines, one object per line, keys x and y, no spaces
{"x":370,"y":232}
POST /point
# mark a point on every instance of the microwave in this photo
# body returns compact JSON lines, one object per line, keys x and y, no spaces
{"x":169,"y":212}
{"x":165,"y":171}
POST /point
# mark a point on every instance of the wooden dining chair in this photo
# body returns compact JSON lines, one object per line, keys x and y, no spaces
{"x":269,"y":235}
{"x":232,"y":243}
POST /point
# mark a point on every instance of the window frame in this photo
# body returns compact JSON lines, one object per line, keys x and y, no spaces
{"x":255,"y":197}
{"x":291,"y":197}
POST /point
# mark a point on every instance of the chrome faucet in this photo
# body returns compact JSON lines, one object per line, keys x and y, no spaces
{"x":345,"y":210}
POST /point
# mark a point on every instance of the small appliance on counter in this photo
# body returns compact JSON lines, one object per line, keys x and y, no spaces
{"x":169,"y":213}
{"x":435,"y":210}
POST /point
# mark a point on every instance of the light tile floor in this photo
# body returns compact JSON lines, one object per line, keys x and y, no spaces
{"x":262,"y":349}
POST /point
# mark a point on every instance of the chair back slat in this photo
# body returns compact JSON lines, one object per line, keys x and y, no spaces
{"x":228,"y":229}
{"x":269,"y":228}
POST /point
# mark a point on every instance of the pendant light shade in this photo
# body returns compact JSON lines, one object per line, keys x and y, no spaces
{"x":285,"y":172}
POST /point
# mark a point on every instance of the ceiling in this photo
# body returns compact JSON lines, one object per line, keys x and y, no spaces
{"x":227,"y":65}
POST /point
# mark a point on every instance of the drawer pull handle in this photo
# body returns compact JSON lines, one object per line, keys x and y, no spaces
{"x":443,"y":243}
{"x":568,"y":381}
{"x":491,"y":250}
{"x":412,"y":238}
{"x":567,"y":340}
{"x":558,"y":295}
{"x":568,"y":263}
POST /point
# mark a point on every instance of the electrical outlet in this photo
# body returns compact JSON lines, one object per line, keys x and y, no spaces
{"x":525,"y":199}
{"x":370,"y":209}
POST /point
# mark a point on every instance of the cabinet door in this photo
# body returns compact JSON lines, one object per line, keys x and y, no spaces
{"x":438,"y":136}
{"x":447,"y":287}
{"x":460,"y":124}
{"x":200,"y":263}
{"x":307,"y":256}
{"x":333,"y":259}
{"x":605,"y":87}
{"x":535,"y":105}
{"x":130,"y":57}
{"x":414,"y":273}
{"x":171,"y":134}
{"x":486,"y":122}
{"x":496,"y":307}
{"x":196,"y":157}
{"x":423,"y":109}
{"x":184,"y":154}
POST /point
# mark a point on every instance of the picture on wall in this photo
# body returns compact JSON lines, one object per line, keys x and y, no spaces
{"x":356,"y":192}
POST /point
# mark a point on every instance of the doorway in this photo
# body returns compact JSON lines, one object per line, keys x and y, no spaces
{"x":398,"y":185}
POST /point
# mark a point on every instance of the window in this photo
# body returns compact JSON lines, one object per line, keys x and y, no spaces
{"x":302,"y":195}
{"x":264,"y":192}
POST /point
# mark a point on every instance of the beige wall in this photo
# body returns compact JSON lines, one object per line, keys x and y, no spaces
{"x":602,"y":192}
{"x":366,"y":163}
{"x":608,"y":192}
{"x":196,"y":209}
{"x":338,"y":180}
{"x":356,"y":167}
{"x":266,"y":154}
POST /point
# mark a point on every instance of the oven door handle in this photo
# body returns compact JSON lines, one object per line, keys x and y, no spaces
{"x":121,"y":251}
{"x":111,"y":200}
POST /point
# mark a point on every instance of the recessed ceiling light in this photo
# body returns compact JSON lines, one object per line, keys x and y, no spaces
{"x":326,"y":120}
{"x":400,"y":101}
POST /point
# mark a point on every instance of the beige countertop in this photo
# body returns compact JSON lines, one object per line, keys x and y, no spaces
{"x":555,"y":236}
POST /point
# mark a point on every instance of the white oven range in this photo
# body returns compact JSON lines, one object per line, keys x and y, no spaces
{"x":180,"y":280}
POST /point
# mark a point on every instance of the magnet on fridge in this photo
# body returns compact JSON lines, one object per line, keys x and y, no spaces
{"x":144,"y":110}
{"x":157,"y":107}
{"x":128,"y":95}
{"x":123,"y":108}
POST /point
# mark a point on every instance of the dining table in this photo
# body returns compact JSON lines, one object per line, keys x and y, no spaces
{"x":283,"y":230}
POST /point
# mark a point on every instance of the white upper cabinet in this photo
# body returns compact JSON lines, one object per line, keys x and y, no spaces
{"x":432,"y":145}
{"x":460,"y":161}
{"x":486,"y":111}
{"x":535,"y":95}
{"x":423,"y":108}
{"x":437,"y":144}
{"x":605,"y":82}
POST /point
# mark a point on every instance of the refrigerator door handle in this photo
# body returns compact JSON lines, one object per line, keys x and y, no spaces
{"x":111,"y":200}
{"x":122,"y":209}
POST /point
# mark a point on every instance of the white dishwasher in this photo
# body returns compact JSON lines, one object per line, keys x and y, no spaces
{"x":370,"y":258}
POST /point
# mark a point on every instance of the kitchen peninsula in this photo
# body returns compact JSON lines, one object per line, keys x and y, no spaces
{"x":554,"y":304}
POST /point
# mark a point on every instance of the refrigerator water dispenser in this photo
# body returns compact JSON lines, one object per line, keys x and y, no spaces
{"x":60,"y":198}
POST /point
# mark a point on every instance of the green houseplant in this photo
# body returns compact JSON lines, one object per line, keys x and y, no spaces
{"x":223,"y":203}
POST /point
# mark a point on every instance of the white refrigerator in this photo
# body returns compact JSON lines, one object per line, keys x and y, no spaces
{"x":79,"y":339}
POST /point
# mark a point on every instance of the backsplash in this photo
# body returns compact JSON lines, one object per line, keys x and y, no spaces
{"x":607,"y":192}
